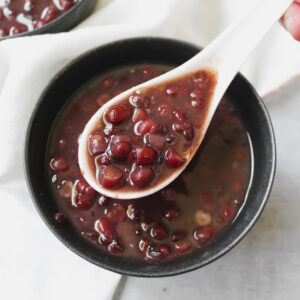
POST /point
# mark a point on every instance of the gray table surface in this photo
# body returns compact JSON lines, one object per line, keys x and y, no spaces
{"x":266,"y":264}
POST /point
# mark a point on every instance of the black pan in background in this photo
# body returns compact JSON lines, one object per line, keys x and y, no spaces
{"x":76,"y":14}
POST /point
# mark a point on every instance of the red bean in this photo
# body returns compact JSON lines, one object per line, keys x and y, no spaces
{"x":147,"y":72}
{"x":66,"y":4}
{"x":146,"y":156}
{"x":238,"y":200}
{"x":197,"y":104}
{"x":65,"y":190}
{"x":205,"y":234}
{"x":147,"y":126}
{"x":115,"y":247}
{"x":3,"y":32}
{"x":158,"y":232}
{"x":147,"y":225}
{"x":178,"y":116}
{"x":186,"y":129}
{"x":122,"y":138}
{"x":171,"y":91}
{"x":139,"y":115}
{"x":202,"y":79}
{"x":110,"y":176}
{"x":103,"y":201}
{"x":118,"y":114}
{"x":182,"y":247}
{"x":84,"y":188}
{"x":164,"y":249}
{"x":154,"y":253}
{"x":62,"y":144}
{"x":164,"y":109}
{"x":49,"y":13}
{"x":83,"y":202}
{"x":109,"y":131}
{"x":228,"y":212}
{"x":197,"y":94}
{"x":139,"y":100}
{"x":178,"y":235}
{"x":103,"y":160}
{"x":143,"y":245}
{"x":59,"y":164}
{"x":142,"y":176}
{"x":97,"y":144}
{"x":173,"y":159}
{"x":94,"y":236}
{"x":133,"y":213}
{"x":157,"y":141}
{"x":59,"y":218}
{"x":171,"y":139}
{"x":121,"y":150}
{"x":104,"y":227}
{"x":107,"y":82}
{"x":131,"y":157}
{"x":172,"y":213}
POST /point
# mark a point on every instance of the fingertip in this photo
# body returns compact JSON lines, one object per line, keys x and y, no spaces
{"x":291,"y":20}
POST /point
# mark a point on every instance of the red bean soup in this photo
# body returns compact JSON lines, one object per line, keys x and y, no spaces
{"x":17,"y":16}
{"x":149,"y":135}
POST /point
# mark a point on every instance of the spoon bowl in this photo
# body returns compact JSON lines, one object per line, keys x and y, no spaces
{"x":94,"y":121}
{"x":223,"y":57}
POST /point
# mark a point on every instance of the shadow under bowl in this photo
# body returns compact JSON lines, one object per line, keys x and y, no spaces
{"x":134,"y":51}
{"x":76,"y":14}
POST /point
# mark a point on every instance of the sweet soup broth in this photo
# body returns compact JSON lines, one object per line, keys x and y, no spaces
{"x":185,"y":216}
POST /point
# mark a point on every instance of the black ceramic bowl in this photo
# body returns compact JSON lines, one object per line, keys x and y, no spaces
{"x":65,"y":22}
{"x":133,"y":51}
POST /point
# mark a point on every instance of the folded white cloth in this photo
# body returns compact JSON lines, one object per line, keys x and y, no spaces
{"x":33,"y":264}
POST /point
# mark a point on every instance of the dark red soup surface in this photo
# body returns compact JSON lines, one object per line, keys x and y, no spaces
{"x":17,"y":16}
{"x":147,"y":136}
{"x":188,"y":214}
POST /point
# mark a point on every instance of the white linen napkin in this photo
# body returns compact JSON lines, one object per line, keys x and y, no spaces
{"x":33,"y":264}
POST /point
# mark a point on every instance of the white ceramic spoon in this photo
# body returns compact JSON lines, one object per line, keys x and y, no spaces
{"x":224,"y":56}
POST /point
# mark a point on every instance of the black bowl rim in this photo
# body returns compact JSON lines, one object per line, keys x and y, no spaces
{"x":116,"y":269}
{"x":47,"y":28}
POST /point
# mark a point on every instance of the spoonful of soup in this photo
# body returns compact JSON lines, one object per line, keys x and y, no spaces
{"x":141,"y":140}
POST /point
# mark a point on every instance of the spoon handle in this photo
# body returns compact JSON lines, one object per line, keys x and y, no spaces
{"x":233,"y":47}
{"x":230,"y":49}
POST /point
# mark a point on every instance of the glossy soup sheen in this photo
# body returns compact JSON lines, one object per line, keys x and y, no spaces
{"x":185,"y":216}
{"x":17,"y":16}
